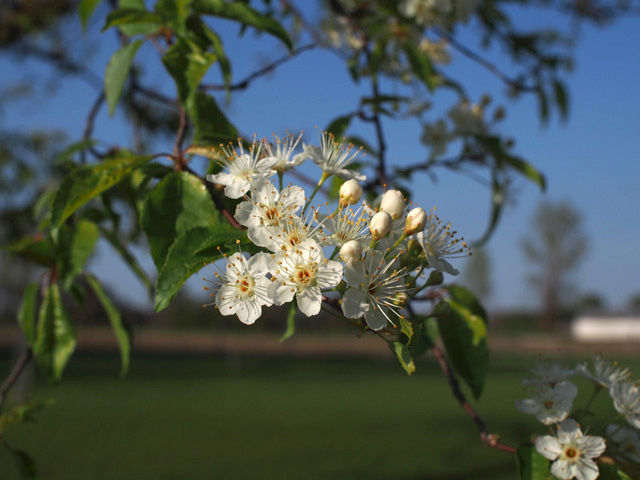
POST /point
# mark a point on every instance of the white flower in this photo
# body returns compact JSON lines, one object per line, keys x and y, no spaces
{"x":626,"y":400}
{"x":437,"y":52}
{"x":346,"y":225}
{"x":572,"y":452}
{"x":627,"y":440}
{"x":550,"y":405}
{"x":380,"y":225}
{"x":244,"y":169}
{"x":436,"y":137}
{"x":351,"y":251}
{"x":438,"y":242}
{"x":267,"y":210}
{"x":375,"y":287}
{"x":282,"y":152}
{"x":467,"y":118}
{"x":350,"y":192}
{"x":425,"y":11}
{"x":332,"y":157}
{"x":548,"y":373}
{"x":303,"y":273}
{"x":606,"y":373}
{"x":243,"y":288}
{"x":393,"y":203}
{"x":416,"y":221}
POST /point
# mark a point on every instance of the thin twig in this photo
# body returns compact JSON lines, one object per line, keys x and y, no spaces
{"x":489,"y":439}
{"x":18,"y":368}
{"x":243,"y":84}
{"x":88,"y":128}
{"x":519,"y":86}
{"x":182,"y":131}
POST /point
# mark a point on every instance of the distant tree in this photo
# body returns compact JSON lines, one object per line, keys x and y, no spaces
{"x":590,"y":302}
{"x":477,"y":275}
{"x":555,"y":247}
{"x":634,"y":302}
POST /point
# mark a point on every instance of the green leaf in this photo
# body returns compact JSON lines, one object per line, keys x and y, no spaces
{"x":22,"y":413}
{"x":117,"y":72}
{"x":25,"y":464}
{"x":187,"y":64}
{"x":143,"y":27}
{"x":119,"y":328}
{"x":207,"y":38}
{"x":243,"y":13}
{"x":27,"y":312}
{"x":420,"y":64}
{"x":87,"y":182}
{"x":464,"y":334}
{"x":435,"y":278}
{"x":406,"y":328}
{"x":174,"y":13}
{"x":562,"y":98}
{"x":611,"y":472}
{"x":291,"y":325}
{"x":56,"y":336}
{"x":210,"y":124}
{"x":190,"y":252}
{"x":178,"y":203}
{"x":75,"y":246}
{"x":425,"y":337}
{"x":85,"y":10}
{"x":521,"y":166}
{"x":37,"y":248}
{"x":132,"y":16}
{"x":404,"y":356}
{"x":338,"y":126}
{"x":531,"y":465}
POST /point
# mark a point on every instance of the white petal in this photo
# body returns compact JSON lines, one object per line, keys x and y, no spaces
{"x":244,"y":214}
{"x":292,"y":197}
{"x":226,"y":300}
{"x":354,"y":273}
{"x":354,"y":303}
{"x":376,"y":320}
{"x":223,"y":178}
{"x":237,"y":188}
{"x":280,"y":294}
{"x":548,"y":447}
{"x":309,"y":301}
{"x":257,"y":265}
{"x":586,"y":470}
{"x":562,"y":469}
{"x":527,"y":406}
{"x":329,"y":274}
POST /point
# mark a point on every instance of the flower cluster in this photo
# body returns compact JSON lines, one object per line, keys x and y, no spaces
{"x":552,"y":395}
{"x":354,"y":255}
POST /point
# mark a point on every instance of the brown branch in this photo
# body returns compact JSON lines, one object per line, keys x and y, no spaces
{"x":483,"y":62}
{"x":489,"y":439}
{"x":88,"y":128}
{"x":182,"y":132}
{"x":243,"y":84}
{"x":18,"y":368}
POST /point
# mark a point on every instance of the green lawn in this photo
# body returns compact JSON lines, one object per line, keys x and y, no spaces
{"x":235,"y":418}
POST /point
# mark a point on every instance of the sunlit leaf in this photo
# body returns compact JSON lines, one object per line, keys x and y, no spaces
{"x":27,"y":312}
{"x":403,"y":355}
{"x":531,"y":465}
{"x":117,"y":73}
{"x":75,"y":246}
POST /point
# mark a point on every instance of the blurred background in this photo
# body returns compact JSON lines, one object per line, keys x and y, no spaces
{"x":208,"y":397}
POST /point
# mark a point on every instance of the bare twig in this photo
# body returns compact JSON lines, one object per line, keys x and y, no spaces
{"x":489,"y":439}
{"x":243,"y":84}
{"x":88,"y":128}
{"x":182,"y":131}
{"x":519,"y":86}
{"x":18,"y":368}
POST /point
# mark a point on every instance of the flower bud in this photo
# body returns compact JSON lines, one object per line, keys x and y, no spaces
{"x":416,"y":221}
{"x":350,"y":251}
{"x":350,"y":192}
{"x":380,"y":225}
{"x":393,"y":203}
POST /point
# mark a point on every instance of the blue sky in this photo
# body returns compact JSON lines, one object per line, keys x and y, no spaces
{"x":592,"y":160}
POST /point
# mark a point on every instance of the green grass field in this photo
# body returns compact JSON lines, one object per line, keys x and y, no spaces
{"x":236,"y":418}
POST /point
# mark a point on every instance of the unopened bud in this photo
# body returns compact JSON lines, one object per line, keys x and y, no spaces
{"x":499,"y":114}
{"x":380,"y":225}
{"x":393,"y":203}
{"x":416,"y":221}
{"x":350,"y":192}
{"x":350,"y":251}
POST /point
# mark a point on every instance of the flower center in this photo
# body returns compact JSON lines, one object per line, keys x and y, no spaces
{"x":245,"y":285}
{"x":304,"y":276}
{"x":571,"y":452}
{"x":272,"y":214}
{"x":548,"y":404}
